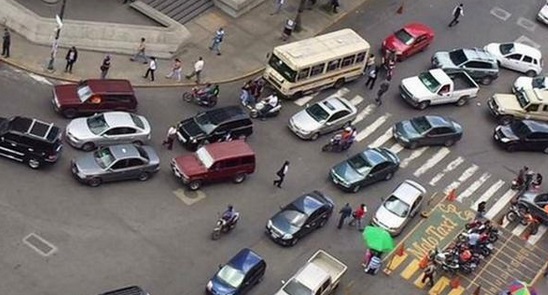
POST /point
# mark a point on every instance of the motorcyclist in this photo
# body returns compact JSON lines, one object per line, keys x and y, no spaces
{"x":268,"y":104}
{"x":520,"y":180}
{"x":537,"y":181}
{"x":529,"y":179}
{"x":248,"y":93}
{"x":205,"y":94}
{"x":348,"y":136}
{"x":229,"y":214}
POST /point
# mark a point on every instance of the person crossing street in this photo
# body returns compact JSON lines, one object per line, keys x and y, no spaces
{"x":345,"y":212}
{"x":458,"y":11}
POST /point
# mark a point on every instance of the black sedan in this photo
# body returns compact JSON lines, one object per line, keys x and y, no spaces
{"x":526,"y":135}
{"x":367,"y":167}
{"x":536,"y":203}
{"x":427,"y":130}
{"x":304,"y":215}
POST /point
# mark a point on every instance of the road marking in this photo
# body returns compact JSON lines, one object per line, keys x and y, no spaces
{"x":500,"y":13}
{"x":533,"y":239}
{"x":450,"y":167}
{"x":356,"y":100}
{"x":189,"y":198}
{"x":520,"y":228}
{"x":396,"y":148}
{"x":432,"y":161}
{"x":382,"y":139}
{"x":415,"y":154}
{"x":364,"y":113}
{"x":462,"y":178}
{"x":472,"y":188}
{"x":40,"y":79}
{"x":371,"y":128}
{"x":527,"y":41}
{"x":410,"y":269}
{"x":305,"y":99}
{"x":500,"y":203}
{"x":39,"y":244}
{"x":527,"y":24}
{"x":488,"y":193}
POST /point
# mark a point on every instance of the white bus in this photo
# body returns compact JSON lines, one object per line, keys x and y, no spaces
{"x":317,"y":63}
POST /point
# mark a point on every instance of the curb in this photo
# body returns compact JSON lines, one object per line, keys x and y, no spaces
{"x":23,"y":67}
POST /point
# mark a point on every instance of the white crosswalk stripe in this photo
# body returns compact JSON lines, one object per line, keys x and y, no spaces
{"x":462,"y":178}
{"x":364,"y":113}
{"x":520,"y":228}
{"x":396,"y":148}
{"x":473,"y":187}
{"x":500,"y":204}
{"x":488,"y":193}
{"x":432,"y":161}
{"x":305,"y":99}
{"x":533,"y":239}
{"x":450,"y":167}
{"x":382,"y":139}
{"x":415,"y":154}
{"x":40,"y":79}
{"x":371,"y":128}
{"x":356,"y":100}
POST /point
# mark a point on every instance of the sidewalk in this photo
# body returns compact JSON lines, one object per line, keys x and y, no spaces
{"x":247,"y":41}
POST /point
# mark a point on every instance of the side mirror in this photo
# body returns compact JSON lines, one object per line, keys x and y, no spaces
{"x":268,"y":55}
{"x":307,"y":105}
{"x":283,"y":282}
{"x":220,"y":266}
{"x":307,"y":226}
{"x":382,"y":198}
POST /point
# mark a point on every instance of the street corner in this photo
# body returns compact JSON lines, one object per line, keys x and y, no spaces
{"x":189,"y":198}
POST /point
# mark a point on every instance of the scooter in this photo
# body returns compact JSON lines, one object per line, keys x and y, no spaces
{"x":257,"y":110}
{"x":336,"y":144}
{"x":198,"y":98}
{"x":517,"y":213}
{"x":224,"y":226}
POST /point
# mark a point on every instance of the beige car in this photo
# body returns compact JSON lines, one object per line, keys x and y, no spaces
{"x":524,"y":104}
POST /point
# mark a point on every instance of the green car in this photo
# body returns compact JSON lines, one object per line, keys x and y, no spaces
{"x":427,"y":130}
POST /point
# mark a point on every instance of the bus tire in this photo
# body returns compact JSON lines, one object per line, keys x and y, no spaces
{"x":339,"y":83}
{"x":296,"y":96}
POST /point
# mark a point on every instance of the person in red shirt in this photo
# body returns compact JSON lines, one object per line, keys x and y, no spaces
{"x":359,"y":215}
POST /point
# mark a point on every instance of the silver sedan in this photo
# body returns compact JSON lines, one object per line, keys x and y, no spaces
{"x":323,"y":117}
{"x":107,"y":129}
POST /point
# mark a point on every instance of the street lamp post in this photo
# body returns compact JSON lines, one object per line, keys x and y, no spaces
{"x":55,"y":44}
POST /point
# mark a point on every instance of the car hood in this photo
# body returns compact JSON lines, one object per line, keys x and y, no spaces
{"x":406,"y":129}
{"x":304,"y":121}
{"x":189,"y":165}
{"x":220,"y":287}
{"x":66,"y":94}
{"x":280,"y":222}
{"x":507,"y":132}
{"x":523,"y":82}
{"x":443,"y":60}
{"x":544,"y":11}
{"x":190,"y":128}
{"x":347,"y":172}
{"x":493,"y":48}
{"x":87,"y":164}
{"x":507,"y":102}
{"x":394,"y":44}
{"x":79,"y":129}
{"x":415,"y":87}
{"x":387,"y":218}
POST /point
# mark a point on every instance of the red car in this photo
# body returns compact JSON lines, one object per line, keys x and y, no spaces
{"x":410,"y":39}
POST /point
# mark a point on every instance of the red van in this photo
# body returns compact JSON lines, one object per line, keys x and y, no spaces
{"x":215,"y":162}
{"x":94,"y":96}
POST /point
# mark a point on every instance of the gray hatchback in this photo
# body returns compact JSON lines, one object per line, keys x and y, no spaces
{"x":118,"y":162}
{"x":481,"y":65}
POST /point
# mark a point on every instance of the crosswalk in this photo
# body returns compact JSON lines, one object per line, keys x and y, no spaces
{"x":437,"y":166}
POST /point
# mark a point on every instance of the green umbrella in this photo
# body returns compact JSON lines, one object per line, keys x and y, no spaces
{"x":378,"y":239}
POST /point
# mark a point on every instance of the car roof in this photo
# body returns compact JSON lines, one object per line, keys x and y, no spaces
{"x":116,"y":119}
{"x":245,"y":260}
{"x":408,"y":191}
{"x":374,"y":156}
{"x":124,"y":151}
{"x":221,"y":115}
{"x":536,"y":126}
{"x":309,"y":202}
{"x":229,"y":149}
{"x":536,"y":95}
{"x":417,"y":29}
{"x":528,"y":50}
{"x":108,"y":85}
{"x":34,"y":127}
{"x":334,"y":104}
{"x":478,"y":54}
{"x":439,"y":121}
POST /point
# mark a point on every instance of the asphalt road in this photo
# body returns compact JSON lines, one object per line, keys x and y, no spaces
{"x":156,"y":234}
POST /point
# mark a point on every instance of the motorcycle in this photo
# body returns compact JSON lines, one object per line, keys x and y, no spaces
{"x":448,"y":261}
{"x":336,"y":144}
{"x":224,"y":226}
{"x":199,"y":98}
{"x":517,"y":213}
{"x":476,"y":223}
{"x":257,"y":110}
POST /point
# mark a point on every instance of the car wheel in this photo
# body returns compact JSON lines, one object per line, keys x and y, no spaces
{"x":486,"y":80}
{"x":138,"y":143}
{"x":530,"y":73}
{"x":511,"y":148}
{"x":413,"y":145}
{"x":315,"y":136}
{"x":33,"y":163}
{"x":187,"y":96}
{"x":239,"y":178}
{"x":505,"y":120}
{"x":388,"y":176}
{"x":322,"y":223}
{"x":449,"y":142}
{"x":293,"y":242}
{"x":423,"y":105}
{"x":259,"y":280}
{"x":356,"y":189}
{"x":511,"y":216}
{"x":144,"y":176}
{"x":546,"y":150}
{"x":462,"y":101}
{"x":339,"y":83}
{"x":94,"y":182}
{"x":88,"y":146}
{"x":69,"y":113}
{"x":195,"y":185}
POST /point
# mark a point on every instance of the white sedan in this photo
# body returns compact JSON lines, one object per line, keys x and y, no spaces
{"x":517,"y":56}
{"x":542,"y":15}
{"x":539,"y":82}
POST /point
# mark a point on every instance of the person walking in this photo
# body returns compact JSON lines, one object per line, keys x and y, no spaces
{"x":71,"y":57}
{"x":358,"y":216}
{"x":481,"y":210}
{"x":372,"y":77}
{"x":382,"y":90}
{"x":279,"y":4}
{"x":170,"y":137}
{"x":140,"y":55}
{"x":281,"y":174}
{"x":345,"y":212}
{"x":6,"y":43}
{"x":198,"y":67}
{"x":458,"y":11}
{"x":105,"y":66}
{"x":151,"y":68}
{"x":374,"y":264}
{"x":334,"y":5}
{"x":217,"y":39}
{"x":176,"y":70}
{"x":371,"y":61}
{"x":429,"y":272}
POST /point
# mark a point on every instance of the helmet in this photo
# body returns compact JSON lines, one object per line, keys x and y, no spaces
{"x":348,"y":129}
{"x":230,"y":207}
{"x":466,"y":255}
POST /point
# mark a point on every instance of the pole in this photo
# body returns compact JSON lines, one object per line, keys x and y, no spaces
{"x":298,"y":27}
{"x":55,"y":44}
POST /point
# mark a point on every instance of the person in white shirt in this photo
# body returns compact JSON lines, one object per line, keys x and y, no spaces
{"x":151,"y":68}
{"x":268,"y":104}
{"x":198,"y":67}
{"x":170,"y":137}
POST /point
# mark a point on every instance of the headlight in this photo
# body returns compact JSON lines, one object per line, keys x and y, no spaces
{"x":269,"y":223}
{"x":209,"y":285}
{"x":287,"y":236}
{"x":193,"y":140}
{"x":504,"y":139}
{"x":80,"y":175}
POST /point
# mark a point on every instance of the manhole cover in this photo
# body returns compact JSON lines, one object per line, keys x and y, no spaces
{"x":39,"y":244}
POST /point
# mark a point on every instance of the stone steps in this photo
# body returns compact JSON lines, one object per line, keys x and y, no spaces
{"x":181,"y":11}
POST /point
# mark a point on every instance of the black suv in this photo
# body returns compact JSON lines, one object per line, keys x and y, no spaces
{"x":30,"y":141}
{"x":526,"y":135}
{"x":481,"y":65}
{"x":214,"y":125}
{"x":133,"y":290}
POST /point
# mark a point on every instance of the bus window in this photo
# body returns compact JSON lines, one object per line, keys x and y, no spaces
{"x":360,"y":57}
{"x":316,"y":70}
{"x":303,"y":74}
{"x":333,"y":65}
{"x":347,"y":61}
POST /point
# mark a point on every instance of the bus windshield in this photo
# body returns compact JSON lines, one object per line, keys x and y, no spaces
{"x":282,"y":68}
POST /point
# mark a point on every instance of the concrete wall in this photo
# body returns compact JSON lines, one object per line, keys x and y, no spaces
{"x":236,"y":8}
{"x":162,"y":42}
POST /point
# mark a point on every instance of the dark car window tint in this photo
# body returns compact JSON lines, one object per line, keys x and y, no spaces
{"x":135,"y":162}
{"x":303,"y":74}
{"x":338,"y":115}
{"x":231,"y":163}
{"x":404,"y":37}
{"x":457,"y":57}
{"x":120,"y":165}
{"x":515,"y":56}
{"x":532,"y":107}
{"x":476,"y":65}
{"x":527,"y":59}
{"x":360,"y":57}
{"x":116,"y":131}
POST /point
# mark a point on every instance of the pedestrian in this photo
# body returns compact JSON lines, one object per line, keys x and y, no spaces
{"x":279,"y":4}
{"x":429,"y":272}
{"x":371,"y":61}
{"x":140,"y":55}
{"x":458,"y":11}
{"x":528,"y":179}
{"x":372,"y":77}
{"x":281,"y":174}
{"x":105,"y":66}
{"x":198,"y":67}
{"x":217,"y":39}
{"x":374,"y":264}
{"x":6,"y":43}
{"x":481,"y":210}
{"x":358,"y":216}
{"x":382,"y":90}
{"x":335,"y":4}
{"x":151,"y":68}
{"x":345,"y":212}
{"x":71,"y":57}
{"x":176,"y":70}
{"x":171,"y":134}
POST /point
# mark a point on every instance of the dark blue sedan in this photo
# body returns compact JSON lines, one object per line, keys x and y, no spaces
{"x":427,"y":130}
{"x":238,"y":275}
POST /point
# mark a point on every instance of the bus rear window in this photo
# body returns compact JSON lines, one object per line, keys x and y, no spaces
{"x":283,"y":69}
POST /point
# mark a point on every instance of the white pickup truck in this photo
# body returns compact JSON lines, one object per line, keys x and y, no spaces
{"x":319,"y":276}
{"x":438,"y":87}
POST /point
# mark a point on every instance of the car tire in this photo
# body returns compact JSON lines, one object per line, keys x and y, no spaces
{"x":462,"y":101}
{"x":187,"y":96}
{"x":449,"y":142}
{"x":239,"y":178}
{"x":423,"y":105}
{"x":339,"y":84}
{"x":505,"y":120}
{"x":138,"y":143}
{"x":322,"y":223}
{"x":88,"y":146}
{"x":389,"y":176}
{"x":511,"y":148}
{"x":144,"y":176}
{"x":69,"y":113}
{"x":34,"y":163}
{"x":194,"y":185}
{"x":356,"y":189}
{"x":546,"y":150}
{"x":511,"y":216}
{"x":530,"y":73}
{"x":294,"y":242}
{"x":94,"y":182}
{"x":413,"y":145}
{"x":315,"y":136}
{"x":487,"y":80}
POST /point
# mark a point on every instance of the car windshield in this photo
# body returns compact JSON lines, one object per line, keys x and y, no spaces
{"x":4,"y":125}
{"x":317,"y":112}
{"x":421,"y":124}
{"x":97,"y":124}
{"x":295,"y":287}
{"x":282,"y":68}
{"x":429,"y":82}
{"x":204,"y":157}
{"x":539,"y":82}
{"x":294,"y":217}
{"x":522,"y":98}
{"x":359,"y":163}
{"x":137,"y":121}
{"x":231,"y":276}
{"x":520,"y":129}
{"x":84,"y":93}
{"x":396,"y":206}
{"x":404,"y":37}
{"x":104,"y":157}
{"x":205,"y":124}
{"x":457,"y":57}
{"x":506,"y":48}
